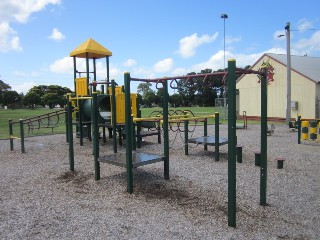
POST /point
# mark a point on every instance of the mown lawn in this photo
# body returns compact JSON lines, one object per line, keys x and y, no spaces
{"x":17,"y":114}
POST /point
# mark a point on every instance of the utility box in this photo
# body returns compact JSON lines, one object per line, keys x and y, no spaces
{"x":294,"y":105}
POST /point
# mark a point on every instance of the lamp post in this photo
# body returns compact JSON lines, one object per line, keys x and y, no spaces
{"x":288,"y":112}
{"x":224,"y":17}
{"x":288,"y":108}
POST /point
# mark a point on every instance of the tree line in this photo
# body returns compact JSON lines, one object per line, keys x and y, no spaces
{"x":41,"y":95}
{"x":194,"y":92}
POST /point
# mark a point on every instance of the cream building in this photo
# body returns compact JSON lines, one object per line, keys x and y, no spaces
{"x":305,"y":87}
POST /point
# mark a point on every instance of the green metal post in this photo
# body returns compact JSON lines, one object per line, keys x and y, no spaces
{"x":232,"y":143}
{"x":205,"y":132}
{"x":22,"y":135}
{"x":133,"y":135}
{"x":216,"y":136}
{"x":95,"y":135}
{"x":128,"y":132}
{"x":114,"y":116}
{"x":87,"y":68}
{"x":166,"y":130}
{"x":11,"y":134}
{"x":70,"y":134}
{"x":107,"y":67}
{"x":80,"y":107}
{"x":264,"y":132}
{"x":66,"y":121}
{"x":139,"y":138}
{"x":299,"y":129}
{"x":74,"y":72}
{"x":186,"y":126}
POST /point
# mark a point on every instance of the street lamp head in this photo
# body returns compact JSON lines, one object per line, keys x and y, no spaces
{"x":281,"y":35}
{"x":223,"y":15}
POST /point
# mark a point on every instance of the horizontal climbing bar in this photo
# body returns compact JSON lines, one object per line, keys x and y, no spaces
{"x":79,"y":98}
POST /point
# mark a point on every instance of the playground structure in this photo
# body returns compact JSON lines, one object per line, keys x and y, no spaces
{"x":117,"y":110}
{"x":29,"y":125}
{"x":131,"y":158}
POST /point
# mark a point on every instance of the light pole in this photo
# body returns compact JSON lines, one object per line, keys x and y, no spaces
{"x":288,"y":108}
{"x":224,"y":17}
{"x":288,"y":112}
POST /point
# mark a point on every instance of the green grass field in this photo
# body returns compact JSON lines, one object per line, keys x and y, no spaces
{"x":17,"y":114}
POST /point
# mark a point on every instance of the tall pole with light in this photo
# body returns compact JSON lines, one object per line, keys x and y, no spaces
{"x":288,"y":111}
{"x":224,"y":17}
{"x":288,"y":108}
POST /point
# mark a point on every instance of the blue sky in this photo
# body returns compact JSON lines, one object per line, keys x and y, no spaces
{"x":148,"y":38}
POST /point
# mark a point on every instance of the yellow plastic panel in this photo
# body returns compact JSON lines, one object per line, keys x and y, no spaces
{"x":81,"y":87}
{"x":134,"y":104}
{"x":120,"y":107}
{"x":117,"y":90}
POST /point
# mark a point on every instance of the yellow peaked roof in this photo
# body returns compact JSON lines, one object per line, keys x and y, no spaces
{"x":94,"y":50}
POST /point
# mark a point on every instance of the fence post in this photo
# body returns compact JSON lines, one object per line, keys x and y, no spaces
{"x":22,"y":135}
{"x":10,"y":134}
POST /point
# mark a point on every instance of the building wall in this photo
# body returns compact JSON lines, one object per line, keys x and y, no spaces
{"x":302,"y":90}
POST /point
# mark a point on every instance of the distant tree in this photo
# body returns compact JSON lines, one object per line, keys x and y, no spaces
{"x":53,"y":99}
{"x":149,"y":98}
{"x":10,"y":98}
{"x":54,"y":91}
{"x":175,"y":100}
{"x":31,"y":99}
{"x":3,"y":87}
{"x":187,"y":89}
{"x":143,"y":88}
{"x":159,"y":97}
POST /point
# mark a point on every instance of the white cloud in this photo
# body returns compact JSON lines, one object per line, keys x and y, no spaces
{"x":23,"y":87}
{"x":230,"y":40}
{"x":215,"y":62}
{"x":64,"y":65}
{"x":304,"y":24}
{"x":20,"y":10}
{"x":309,"y":45}
{"x":130,"y":62}
{"x":164,"y":65}
{"x":8,"y":38}
{"x":56,"y":35}
{"x":179,"y":71}
{"x":17,"y":11}
{"x":189,"y":44}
